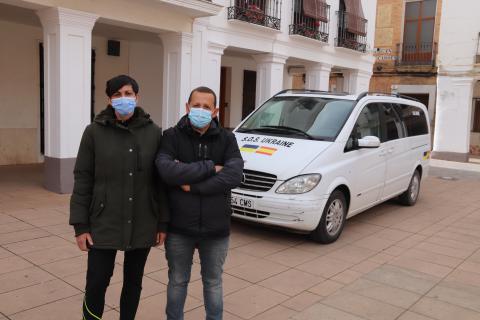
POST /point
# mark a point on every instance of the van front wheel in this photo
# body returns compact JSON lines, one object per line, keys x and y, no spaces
{"x":333,"y":219}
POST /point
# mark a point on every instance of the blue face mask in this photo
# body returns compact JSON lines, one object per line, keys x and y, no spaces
{"x":199,"y":117}
{"x":124,"y":105}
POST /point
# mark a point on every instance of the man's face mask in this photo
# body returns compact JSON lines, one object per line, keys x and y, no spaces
{"x":199,"y":117}
{"x":124,"y":105}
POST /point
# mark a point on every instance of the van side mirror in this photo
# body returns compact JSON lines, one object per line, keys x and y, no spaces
{"x":369,"y":142}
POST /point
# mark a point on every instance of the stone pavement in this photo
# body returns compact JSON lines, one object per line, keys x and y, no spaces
{"x":391,"y":262}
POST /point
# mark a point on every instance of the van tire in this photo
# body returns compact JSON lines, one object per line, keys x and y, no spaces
{"x":410,"y":196}
{"x":333,"y":219}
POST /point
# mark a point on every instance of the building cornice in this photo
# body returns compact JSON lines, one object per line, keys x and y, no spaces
{"x":67,"y":17}
{"x":200,"y":8}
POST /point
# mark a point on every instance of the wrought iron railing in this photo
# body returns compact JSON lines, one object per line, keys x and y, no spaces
{"x":265,"y":13}
{"x":352,"y":31}
{"x":413,"y":54}
{"x":308,"y":26}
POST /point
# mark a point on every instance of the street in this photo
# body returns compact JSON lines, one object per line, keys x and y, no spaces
{"x":391,"y":262}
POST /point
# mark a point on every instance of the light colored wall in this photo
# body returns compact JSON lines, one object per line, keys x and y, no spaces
{"x":19,"y":93}
{"x":260,"y":39}
{"x":142,"y":61}
{"x":107,"y":67}
{"x":237,"y":66}
{"x":458,"y":43}
{"x":150,"y":15}
{"x":146,"y":66}
{"x":458,"y":35}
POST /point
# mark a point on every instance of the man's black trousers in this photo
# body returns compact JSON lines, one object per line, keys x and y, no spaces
{"x":100,"y":269}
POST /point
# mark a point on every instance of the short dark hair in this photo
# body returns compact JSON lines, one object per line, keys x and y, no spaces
{"x":116,"y":83}
{"x":204,"y":90}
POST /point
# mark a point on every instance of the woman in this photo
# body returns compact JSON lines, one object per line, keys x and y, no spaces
{"x":117,"y":202}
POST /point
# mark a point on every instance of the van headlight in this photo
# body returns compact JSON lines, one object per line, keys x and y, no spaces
{"x":299,"y":184}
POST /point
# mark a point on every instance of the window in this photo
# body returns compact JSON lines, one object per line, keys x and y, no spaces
{"x":418,"y":31}
{"x":368,"y":124}
{"x":414,"y":119}
{"x":393,"y":126}
{"x":319,"y":118}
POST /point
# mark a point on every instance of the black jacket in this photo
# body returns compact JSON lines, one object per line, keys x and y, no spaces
{"x":188,"y":158}
{"x":117,"y":196}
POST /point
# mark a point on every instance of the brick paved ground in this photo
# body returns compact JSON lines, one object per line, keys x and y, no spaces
{"x":391,"y":262}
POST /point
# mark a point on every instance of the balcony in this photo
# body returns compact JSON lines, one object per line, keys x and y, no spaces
{"x":352,"y":32}
{"x":310,"y":23}
{"x":264,"y":13}
{"x":421,"y":54}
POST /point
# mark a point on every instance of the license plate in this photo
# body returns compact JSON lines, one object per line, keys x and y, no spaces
{"x":242,"y":202}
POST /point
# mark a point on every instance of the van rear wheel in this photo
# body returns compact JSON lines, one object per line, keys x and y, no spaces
{"x":410,"y":196}
{"x":333,"y":219}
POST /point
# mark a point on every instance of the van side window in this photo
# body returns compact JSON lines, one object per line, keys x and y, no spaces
{"x":393,"y":126}
{"x":414,"y":119}
{"x":368,"y":124}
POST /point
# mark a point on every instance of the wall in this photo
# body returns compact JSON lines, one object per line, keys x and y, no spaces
{"x":237,"y":65}
{"x":19,"y":93}
{"x":389,"y":28}
{"x":389,"y":33}
{"x":107,"y":67}
{"x":458,"y":41}
{"x":149,"y":15}
{"x":238,"y":34}
{"x":458,"y":46}
{"x":387,"y":83}
{"x":142,"y":61}
{"x":146,"y":66}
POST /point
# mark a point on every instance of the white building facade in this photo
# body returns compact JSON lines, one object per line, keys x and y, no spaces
{"x":57,"y":55}
{"x":264,"y":45}
{"x":457,"y":127}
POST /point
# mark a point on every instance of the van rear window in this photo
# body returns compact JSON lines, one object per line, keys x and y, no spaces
{"x":414,"y":119}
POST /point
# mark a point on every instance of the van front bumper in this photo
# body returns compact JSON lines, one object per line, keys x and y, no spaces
{"x":290,"y":212}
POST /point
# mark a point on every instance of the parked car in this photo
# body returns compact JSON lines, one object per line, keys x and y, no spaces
{"x":314,"y":159}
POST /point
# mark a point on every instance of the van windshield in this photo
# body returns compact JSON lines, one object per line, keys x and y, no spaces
{"x":303,"y":117}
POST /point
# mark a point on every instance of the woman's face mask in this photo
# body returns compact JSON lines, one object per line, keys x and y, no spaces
{"x":124,"y":105}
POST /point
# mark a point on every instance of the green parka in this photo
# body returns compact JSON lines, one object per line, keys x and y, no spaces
{"x":117,"y":195}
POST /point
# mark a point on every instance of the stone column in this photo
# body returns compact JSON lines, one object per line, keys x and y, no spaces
{"x":177,"y":63}
{"x":270,"y":69}
{"x":453,"y":118}
{"x":211,"y":76}
{"x":67,"y":36}
{"x":317,"y":76}
{"x":356,"y":81}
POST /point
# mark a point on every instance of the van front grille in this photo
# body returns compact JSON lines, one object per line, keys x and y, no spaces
{"x":257,"y":181}
{"x":252,"y":213}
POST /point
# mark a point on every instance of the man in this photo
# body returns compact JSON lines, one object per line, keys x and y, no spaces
{"x":117,"y":203}
{"x":201,"y":163}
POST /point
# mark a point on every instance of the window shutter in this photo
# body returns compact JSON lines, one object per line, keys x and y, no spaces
{"x":355,"y":21}
{"x":316,"y":9}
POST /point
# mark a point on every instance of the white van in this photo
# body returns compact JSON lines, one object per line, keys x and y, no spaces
{"x":314,"y":159}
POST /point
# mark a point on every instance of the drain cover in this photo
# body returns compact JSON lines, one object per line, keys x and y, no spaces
{"x":448,"y":178}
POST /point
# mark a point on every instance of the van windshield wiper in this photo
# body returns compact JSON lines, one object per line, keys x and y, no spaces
{"x":288,"y":129}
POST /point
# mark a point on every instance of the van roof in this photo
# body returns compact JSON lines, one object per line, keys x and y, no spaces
{"x":342,"y":95}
